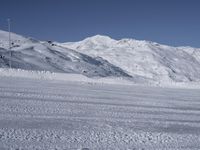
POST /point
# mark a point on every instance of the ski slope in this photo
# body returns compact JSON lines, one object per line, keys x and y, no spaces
{"x":62,"y":114}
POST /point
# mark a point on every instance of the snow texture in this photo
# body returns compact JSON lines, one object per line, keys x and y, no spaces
{"x":41,"y":113}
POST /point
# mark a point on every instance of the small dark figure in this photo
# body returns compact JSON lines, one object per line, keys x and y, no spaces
{"x":50,"y":42}
{"x":1,"y":56}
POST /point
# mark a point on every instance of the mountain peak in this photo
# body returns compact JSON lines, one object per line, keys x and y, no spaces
{"x":93,"y":41}
{"x":99,"y":36}
{"x":100,"y":39}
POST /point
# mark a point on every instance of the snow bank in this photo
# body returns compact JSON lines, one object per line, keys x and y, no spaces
{"x":47,"y":75}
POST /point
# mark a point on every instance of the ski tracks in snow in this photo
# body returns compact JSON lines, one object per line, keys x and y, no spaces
{"x":36,"y":114}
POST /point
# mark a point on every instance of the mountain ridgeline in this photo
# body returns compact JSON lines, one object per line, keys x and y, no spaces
{"x":31,"y":54}
{"x":101,"y":56}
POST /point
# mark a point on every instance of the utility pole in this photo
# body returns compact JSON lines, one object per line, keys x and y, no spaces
{"x":9,"y":40}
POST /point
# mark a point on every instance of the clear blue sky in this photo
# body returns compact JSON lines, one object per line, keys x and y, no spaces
{"x":172,"y":22}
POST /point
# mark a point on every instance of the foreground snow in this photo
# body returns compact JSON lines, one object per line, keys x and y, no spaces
{"x":69,"y":114}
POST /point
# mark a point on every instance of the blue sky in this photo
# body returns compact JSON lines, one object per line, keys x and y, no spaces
{"x":172,"y":22}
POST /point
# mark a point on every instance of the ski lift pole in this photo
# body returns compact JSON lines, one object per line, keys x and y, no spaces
{"x":9,"y":40}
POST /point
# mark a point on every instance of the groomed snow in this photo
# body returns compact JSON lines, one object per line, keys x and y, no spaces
{"x":44,"y":113}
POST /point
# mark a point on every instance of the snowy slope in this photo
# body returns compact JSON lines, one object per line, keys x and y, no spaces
{"x":31,"y":54}
{"x":143,"y":58}
{"x":17,"y":39}
{"x":101,"y":56}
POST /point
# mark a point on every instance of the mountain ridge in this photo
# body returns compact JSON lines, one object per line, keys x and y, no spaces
{"x":102,"y":56}
{"x":31,"y":54}
{"x":145,"y":58}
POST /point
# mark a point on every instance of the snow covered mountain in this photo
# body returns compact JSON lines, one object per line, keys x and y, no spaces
{"x":101,"y":56}
{"x":31,"y":54}
{"x":143,"y":58}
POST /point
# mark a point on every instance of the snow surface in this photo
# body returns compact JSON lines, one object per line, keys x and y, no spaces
{"x":39,"y":112}
{"x":46,"y":75}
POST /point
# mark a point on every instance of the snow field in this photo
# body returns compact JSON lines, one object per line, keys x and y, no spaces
{"x":52,"y":114}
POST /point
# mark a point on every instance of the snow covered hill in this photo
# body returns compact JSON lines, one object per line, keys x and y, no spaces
{"x":143,"y":58}
{"x":101,"y":56}
{"x":31,"y":54}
